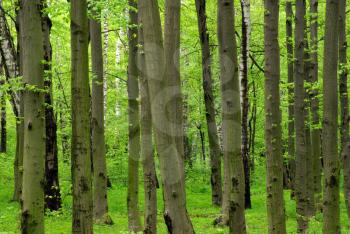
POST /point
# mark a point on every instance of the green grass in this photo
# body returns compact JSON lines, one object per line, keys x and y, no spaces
{"x":198,"y":200}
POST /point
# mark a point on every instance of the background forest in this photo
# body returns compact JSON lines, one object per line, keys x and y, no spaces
{"x":204,"y":211}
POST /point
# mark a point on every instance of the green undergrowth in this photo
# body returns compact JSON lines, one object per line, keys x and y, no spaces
{"x":201,"y":211}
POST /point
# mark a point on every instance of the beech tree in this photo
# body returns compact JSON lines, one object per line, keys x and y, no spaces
{"x":214,"y":145}
{"x":175,"y":213}
{"x":98,"y":125}
{"x":273,"y":130}
{"x":147,"y":151}
{"x":134,"y":124}
{"x":331,"y":212}
{"x":314,"y":93}
{"x":233,"y":200}
{"x":81,"y":146}
{"x":52,"y":185}
{"x":301,"y":190}
{"x":34,"y":122}
{"x":290,"y":68}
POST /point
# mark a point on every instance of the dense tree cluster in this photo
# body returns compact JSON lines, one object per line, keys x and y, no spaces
{"x":252,"y":99}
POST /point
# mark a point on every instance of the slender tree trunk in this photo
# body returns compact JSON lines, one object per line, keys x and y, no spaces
{"x":214,"y":144}
{"x":98,"y":126}
{"x":202,"y":137}
{"x":245,"y":5}
{"x":344,"y":102}
{"x":34,"y":122}
{"x":52,"y":186}
{"x":273,"y":130}
{"x":291,"y":130}
{"x":3,"y":141}
{"x":309,"y":156}
{"x":331,"y":212}
{"x":252,"y":127}
{"x":175,"y":213}
{"x":299,"y":111}
{"x":134,"y":218}
{"x":315,"y":130}
{"x":105,"y":61}
{"x":147,"y":154}
{"x":231,"y":117}
{"x":172,"y":76}
{"x":81,"y":140}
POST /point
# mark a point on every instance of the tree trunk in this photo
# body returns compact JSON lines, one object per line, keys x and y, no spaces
{"x":252,"y":127}
{"x":134,"y":219}
{"x":273,"y":119}
{"x":344,"y":103}
{"x":3,"y":141}
{"x":214,"y":144}
{"x":98,"y":126}
{"x":309,"y":156}
{"x":231,"y":117}
{"x":52,"y":186}
{"x":81,"y":140}
{"x":147,"y":155}
{"x":172,"y":77}
{"x":34,"y":122}
{"x":315,"y":130}
{"x":245,"y":5}
{"x":299,"y":112}
{"x":175,"y":213}
{"x":331,"y":212}
{"x":291,"y":130}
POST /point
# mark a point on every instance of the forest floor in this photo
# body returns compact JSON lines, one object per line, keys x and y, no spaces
{"x":198,"y":203}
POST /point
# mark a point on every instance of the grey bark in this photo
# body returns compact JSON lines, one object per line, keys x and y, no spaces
{"x":34,"y":119}
{"x":134,"y":219}
{"x":273,"y":119}
{"x":331,"y":212}
{"x":233,"y":200}
{"x":81,"y":131}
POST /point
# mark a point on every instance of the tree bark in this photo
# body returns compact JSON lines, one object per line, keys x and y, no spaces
{"x":316,"y":129}
{"x":331,"y":212}
{"x":245,"y":5}
{"x":273,"y":119}
{"x":3,"y":141}
{"x":172,"y":76}
{"x":344,"y":103}
{"x":214,"y":144}
{"x":134,"y":219}
{"x":231,"y":117}
{"x":299,"y":112}
{"x":291,"y":129}
{"x":147,"y":154}
{"x":34,"y":122}
{"x":175,"y":213}
{"x":81,"y":140}
{"x":309,"y":156}
{"x":52,"y":186}
{"x":98,"y":126}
